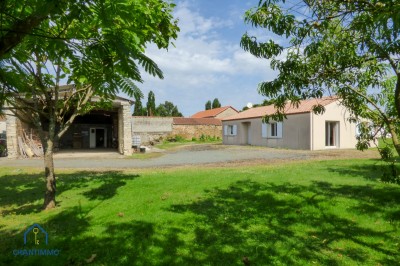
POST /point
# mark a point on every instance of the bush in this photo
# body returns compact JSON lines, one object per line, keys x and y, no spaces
{"x":203,"y":137}
{"x":175,"y":138}
{"x":179,"y":138}
{"x":391,"y":174}
{"x":194,"y":139}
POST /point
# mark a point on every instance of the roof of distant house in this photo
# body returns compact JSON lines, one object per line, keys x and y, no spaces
{"x":212,"y":112}
{"x":305,"y":106}
{"x":196,"y":121}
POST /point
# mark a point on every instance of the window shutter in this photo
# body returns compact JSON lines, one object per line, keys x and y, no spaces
{"x":279,"y":129}
{"x":225,"y":130}
{"x":234,"y":130}
{"x":264,"y":130}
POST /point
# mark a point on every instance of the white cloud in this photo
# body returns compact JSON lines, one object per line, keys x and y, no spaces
{"x":204,"y":66}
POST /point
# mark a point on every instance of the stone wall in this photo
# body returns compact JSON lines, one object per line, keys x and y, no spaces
{"x":195,"y":131}
{"x":153,"y":129}
{"x":125,"y":129}
{"x":3,"y":126}
{"x":12,"y":143}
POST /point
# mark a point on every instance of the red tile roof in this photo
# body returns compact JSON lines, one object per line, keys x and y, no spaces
{"x":305,"y":106}
{"x":211,"y":113}
{"x":196,"y":121}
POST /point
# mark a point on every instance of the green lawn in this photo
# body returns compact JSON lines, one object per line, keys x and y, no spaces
{"x":309,"y":213}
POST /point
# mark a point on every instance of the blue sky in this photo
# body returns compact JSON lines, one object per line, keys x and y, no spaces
{"x":207,"y":61}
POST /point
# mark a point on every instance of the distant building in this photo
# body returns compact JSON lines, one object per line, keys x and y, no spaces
{"x":219,"y":113}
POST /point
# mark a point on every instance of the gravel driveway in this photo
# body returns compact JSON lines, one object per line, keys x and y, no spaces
{"x":199,"y":154}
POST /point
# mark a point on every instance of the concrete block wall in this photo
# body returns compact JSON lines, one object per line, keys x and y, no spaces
{"x":150,"y":128}
{"x":151,"y":124}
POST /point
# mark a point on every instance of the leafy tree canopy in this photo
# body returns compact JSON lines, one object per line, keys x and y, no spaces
{"x":168,"y":109}
{"x":95,"y":46}
{"x":216,"y":103}
{"x":138,"y":109}
{"x":344,"y":48}
{"x":208,"y":105}
{"x":151,"y":104}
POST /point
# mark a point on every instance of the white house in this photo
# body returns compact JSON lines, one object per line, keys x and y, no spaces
{"x":301,"y":130}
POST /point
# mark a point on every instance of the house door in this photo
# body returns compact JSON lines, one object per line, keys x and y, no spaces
{"x":332,"y":134}
{"x":249,"y":134}
{"x":98,"y":138}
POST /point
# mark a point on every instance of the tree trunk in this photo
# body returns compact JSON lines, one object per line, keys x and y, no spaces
{"x":397,"y":103}
{"x":395,"y":140}
{"x":50,"y":196}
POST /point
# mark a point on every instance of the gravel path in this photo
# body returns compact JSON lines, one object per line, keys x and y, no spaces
{"x":188,"y":155}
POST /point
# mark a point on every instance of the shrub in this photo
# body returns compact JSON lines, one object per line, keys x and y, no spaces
{"x":179,"y":138}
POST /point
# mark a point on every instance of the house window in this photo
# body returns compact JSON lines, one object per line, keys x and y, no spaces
{"x":332,"y":134}
{"x":230,"y":130}
{"x":274,"y":129}
{"x":271,"y":130}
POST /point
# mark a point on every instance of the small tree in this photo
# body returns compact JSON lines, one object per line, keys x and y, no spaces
{"x":208,"y":105}
{"x":151,"y":104}
{"x":346,"y":48}
{"x":216,"y":103}
{"x":138,"y":109}
{"x":95,"y":46}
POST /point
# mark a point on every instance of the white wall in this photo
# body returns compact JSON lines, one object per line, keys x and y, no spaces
{"x":295,"y":133}
{"x":347,"y":130}
{"x":300,"y":131}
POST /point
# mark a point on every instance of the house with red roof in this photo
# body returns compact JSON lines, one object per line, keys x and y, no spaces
{"x":219,"y":113}
{"x":301,"y":130}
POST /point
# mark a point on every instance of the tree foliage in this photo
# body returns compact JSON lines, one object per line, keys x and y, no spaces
{"x":151,"y":104}
{"x":208,"y":105}
{"x":138,"y":108}
{"x":168,"y":109}
{"x":97,"y":47}
{"x":264,"y":103}
{"x":216,"y":103}
{"x":344,"y":48}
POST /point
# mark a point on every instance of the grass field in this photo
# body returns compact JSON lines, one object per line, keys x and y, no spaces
{"x":308,"y":213}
